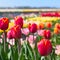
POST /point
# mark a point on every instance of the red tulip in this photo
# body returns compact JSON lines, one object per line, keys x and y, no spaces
{"x":15,"y":32}
{"x":32,"y":28}
{"x":19,"y":21}
{"x":4,"y":23}
{"x":44,"y":47}
{"x":9,"y":35}
{"x":47,"y":34}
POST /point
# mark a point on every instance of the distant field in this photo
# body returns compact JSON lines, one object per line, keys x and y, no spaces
{"x":27,"y":10}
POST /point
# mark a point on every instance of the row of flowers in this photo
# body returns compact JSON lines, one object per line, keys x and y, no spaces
{"x":51,"y":14}
{"x":41,"y":19}
{"x":32,"y":43}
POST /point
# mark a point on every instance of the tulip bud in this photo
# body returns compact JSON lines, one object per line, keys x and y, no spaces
{"x":44,"y":47}
{"x":32,"y":28}
{"x":19,"y":21}
{"x":47,"y":34}
{"x":4,"y":23}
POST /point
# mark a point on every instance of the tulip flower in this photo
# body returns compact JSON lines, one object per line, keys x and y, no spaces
{"x":47,"y":34}
{"x":11,"y":41}
{"x":1,"y":40}
{"x":57,"y":25}
{"x":30,"y":39}
{"x":40,"y":32}
{"x":44,"y":47}
{"x":56,"y":31}
{"x":16,"y":32}
{"x":4,"y":23}
{"x":41,"y":26}
{"x":48,"y":24}
{"x":57,"y":50}
{"x":25,"y":31}
{"x":32,"y":27}
{"x":18,"y":21}
{"x":9,"y":35}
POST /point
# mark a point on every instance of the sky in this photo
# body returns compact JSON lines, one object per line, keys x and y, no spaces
{"x":31,"y":3}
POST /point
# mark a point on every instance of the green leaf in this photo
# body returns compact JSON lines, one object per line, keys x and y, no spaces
{"x":38,"y":38}
{"x":30,"y":52}
{"x":21,"y":55}
{"x":4,"y":55}
{"x":14,"y":53}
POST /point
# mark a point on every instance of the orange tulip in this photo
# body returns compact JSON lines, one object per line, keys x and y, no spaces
{"x":56,"y":30}
{"x":41,"y":25}
{"x":57,"y":25}
{"x":48,"y":24}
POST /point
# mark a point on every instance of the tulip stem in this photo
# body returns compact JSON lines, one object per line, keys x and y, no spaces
{"x":46,"y":58}
{"x":34,"y":42}
{"x":4,"y":41}
{"x":33,"y":39}
{"x":19,"y":45}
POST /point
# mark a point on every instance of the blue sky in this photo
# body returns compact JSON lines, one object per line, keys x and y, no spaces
{"x":31,"y":3}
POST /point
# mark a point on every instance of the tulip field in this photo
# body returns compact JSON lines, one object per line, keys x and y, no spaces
{"x":30,"y":38}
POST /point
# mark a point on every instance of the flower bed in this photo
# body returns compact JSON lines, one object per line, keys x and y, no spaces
{"x":29,"y":39}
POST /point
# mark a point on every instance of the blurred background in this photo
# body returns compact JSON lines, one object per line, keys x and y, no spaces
{"x":12,"y":8}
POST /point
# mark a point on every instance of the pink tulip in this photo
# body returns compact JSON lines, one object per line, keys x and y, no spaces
{"x":11,"y":41}
{"x":1,"y":40}
{"x":40,"y":32}
{"x":57,"y":51}
{"x":30,"y":38}
{"x":25,"y":31}
{"x":2,"y":36}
